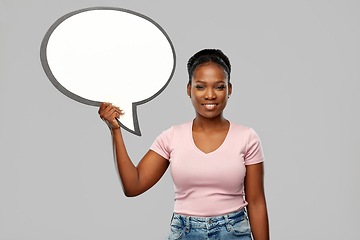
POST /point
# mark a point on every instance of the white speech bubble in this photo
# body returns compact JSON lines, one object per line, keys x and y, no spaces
{"x":112,"y":55}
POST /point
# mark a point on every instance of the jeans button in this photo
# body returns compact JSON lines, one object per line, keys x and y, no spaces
{"x":210,"y":222}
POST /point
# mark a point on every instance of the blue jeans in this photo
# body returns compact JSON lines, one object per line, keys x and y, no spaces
{"x":229,"y":226}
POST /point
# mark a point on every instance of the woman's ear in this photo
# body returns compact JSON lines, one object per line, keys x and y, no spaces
{"x":189,"y":90}
{"x":230,"y":89}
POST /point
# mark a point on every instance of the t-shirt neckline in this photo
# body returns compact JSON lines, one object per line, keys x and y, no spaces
{"x":222,"y":144}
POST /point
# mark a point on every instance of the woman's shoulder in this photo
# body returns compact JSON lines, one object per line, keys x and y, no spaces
{"x":182,"y":126}
{"x":177,"y":128}
{"x":238,"y":127}
{"x":243,"y":130}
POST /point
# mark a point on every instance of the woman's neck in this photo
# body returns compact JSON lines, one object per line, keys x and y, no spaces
{"x":205,"y":124}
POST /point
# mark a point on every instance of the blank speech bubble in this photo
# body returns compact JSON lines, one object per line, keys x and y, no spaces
{"x":103,"y":54}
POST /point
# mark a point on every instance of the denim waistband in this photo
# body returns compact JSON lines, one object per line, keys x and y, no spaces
{"x":209,"y":222}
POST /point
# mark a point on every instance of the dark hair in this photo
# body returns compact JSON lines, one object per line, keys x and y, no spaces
{"x":209,"y":55}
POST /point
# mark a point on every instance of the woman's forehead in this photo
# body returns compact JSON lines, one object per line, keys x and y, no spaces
{"x":210,"y":69}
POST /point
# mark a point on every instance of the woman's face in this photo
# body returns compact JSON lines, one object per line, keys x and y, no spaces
{"x":209,"y":90}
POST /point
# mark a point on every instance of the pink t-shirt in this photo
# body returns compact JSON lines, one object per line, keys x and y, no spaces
{"x":209,"y":184}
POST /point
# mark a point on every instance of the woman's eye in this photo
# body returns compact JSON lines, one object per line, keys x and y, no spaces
{"x":199,"y":87}
{"x":220,"y":87}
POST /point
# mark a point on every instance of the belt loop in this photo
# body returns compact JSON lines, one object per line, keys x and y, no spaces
{"x":187,"y":224}
{"x":227,"y":222}
{"x":172,"y":218}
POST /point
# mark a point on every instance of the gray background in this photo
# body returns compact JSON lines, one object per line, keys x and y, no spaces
{"x":295,"y":81}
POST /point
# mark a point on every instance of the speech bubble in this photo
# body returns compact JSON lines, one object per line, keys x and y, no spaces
{"x":105,"y":54}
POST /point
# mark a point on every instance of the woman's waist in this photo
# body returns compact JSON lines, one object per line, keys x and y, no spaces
{"x":212,"y":221}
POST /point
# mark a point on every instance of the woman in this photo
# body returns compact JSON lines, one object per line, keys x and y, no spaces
{"x":208,"y":158}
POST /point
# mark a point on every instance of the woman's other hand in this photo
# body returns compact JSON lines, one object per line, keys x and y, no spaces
{"x":108,"y":113}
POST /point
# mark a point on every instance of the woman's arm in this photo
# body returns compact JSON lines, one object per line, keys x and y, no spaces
{"x":254,"y":194}
{"x":151,"y":168}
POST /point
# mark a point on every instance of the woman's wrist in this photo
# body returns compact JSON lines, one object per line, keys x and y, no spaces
{"x":113,"y":130}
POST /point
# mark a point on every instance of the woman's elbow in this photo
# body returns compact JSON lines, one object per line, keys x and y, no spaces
{"x":131,"y":193}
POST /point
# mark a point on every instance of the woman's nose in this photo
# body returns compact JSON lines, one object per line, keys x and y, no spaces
{"x":210,"y":94}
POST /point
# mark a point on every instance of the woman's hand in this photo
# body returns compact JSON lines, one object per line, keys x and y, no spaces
{"x":108,"y":113}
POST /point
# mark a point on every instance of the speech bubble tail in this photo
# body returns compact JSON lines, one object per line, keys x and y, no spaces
{"x":136,"y":131}
{"x":129,"y":121}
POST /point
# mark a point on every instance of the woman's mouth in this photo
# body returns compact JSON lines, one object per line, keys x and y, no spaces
{"x":209,"y":106}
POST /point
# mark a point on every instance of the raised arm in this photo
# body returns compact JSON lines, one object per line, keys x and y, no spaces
{"x":135,"y":180}
{"x":254,"y":194}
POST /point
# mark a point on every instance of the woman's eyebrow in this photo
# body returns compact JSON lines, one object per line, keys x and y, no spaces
{"x":221,"y":81}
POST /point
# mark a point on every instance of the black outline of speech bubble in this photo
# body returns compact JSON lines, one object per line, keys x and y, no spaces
{"x":44,"y":62}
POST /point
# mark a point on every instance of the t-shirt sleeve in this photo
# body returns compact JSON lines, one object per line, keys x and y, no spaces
{"x":254,"y":153}
{"x":162,"y":143}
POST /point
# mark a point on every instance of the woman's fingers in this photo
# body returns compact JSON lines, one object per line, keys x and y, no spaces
{"x":109,"y":117}
{"x":104,"y":109}
{"x":103,"y":106}
{"x":108,"y":113}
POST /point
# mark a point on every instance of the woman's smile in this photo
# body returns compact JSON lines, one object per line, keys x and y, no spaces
{"x":210,"y":106}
